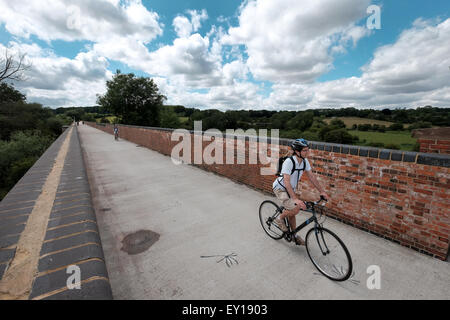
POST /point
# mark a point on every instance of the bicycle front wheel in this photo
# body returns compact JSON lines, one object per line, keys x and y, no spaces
{"x":329,"y":254}
{"x":268,"y":211}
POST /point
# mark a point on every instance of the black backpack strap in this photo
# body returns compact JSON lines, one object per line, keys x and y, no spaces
{"x":293,"y":164}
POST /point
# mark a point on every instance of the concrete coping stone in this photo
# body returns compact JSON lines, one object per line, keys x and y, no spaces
{"x":74,"y":167}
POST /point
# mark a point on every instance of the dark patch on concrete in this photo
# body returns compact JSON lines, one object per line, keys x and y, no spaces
{"x":139,"y":241}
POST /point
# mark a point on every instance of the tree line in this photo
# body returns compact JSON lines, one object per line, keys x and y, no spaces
{"x":26,"y":131}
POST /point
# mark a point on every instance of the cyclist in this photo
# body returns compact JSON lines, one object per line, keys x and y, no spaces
{"x":291,"y":172}
{"x":116,"y":132}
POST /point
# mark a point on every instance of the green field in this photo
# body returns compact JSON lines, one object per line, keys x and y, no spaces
{"x":350,"y":121}
{"x":111,"y":119}
{"x":402,"y":139}
{"x":183,"y":119}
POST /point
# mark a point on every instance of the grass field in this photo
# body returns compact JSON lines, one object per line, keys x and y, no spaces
{"x":402,"y":139}
{"x":183,"y":119}
{"x":350,"y":121}
{"x":112,"y":119}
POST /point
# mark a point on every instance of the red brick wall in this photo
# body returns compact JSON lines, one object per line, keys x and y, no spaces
{"x":434,"y":146}
{"x":405,"y":202}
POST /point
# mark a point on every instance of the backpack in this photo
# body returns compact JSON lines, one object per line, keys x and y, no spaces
{"x":280,"y":165}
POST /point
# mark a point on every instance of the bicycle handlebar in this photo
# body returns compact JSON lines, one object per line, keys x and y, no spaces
{"x":311,"y":204}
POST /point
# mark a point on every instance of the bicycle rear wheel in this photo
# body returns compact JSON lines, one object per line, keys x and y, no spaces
{"x":329,"y":254}
{"x":268,"y":211}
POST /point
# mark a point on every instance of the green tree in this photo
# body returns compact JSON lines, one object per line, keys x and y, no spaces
{"x":339,"y":135}
{"x":169,"y":119}
{"x":364,"y":127}
{"x":136,"y":100}
{"x":419,"y":125}
{"x":9,"y":94}
{"x":396,"y":126}
{"x":18,"y":116}
{"x":18,"y":155}
{"x":337,"y":123}
{"x":301,"y":121}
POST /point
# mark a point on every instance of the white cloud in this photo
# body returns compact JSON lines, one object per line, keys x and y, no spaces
{"x":79,"y":20}
{"x":412,"y":72}
{"x":288,"y":41}
{"x":184,"y":27}
{"x":60,"y":81}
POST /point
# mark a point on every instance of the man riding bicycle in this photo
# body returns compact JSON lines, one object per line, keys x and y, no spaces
{"x":116,"y":132}
{"x":291,"y":172}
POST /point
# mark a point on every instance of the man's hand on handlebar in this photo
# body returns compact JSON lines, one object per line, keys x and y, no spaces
{"x":324,"y":196}
{"x":300,"y":203}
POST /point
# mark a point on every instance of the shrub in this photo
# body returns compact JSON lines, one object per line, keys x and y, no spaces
{"x":396,"y":126}
{"x":338,"y":136}
{"x":364,"y":127}
{"x":392,"y":146}
{"x":376,"y":144}
{"x":19,"y":154}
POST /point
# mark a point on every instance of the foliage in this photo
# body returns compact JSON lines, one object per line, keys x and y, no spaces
{"x":396,"y":127}
{"x":420,"y":125}
{"x":105,"y":120}
{"x":338,"y":135}
{"x":301,"y":121}
{"x":19,"y":154}
{"x":8,"y":94}
{"x":136,"y":100}
{"x":169,"y":118}
{"x":19,"y":116}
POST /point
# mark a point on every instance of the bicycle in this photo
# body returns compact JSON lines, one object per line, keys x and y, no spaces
{"x":327,"y":252}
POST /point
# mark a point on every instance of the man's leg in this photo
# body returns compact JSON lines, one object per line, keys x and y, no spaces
{"x":290,"y":214}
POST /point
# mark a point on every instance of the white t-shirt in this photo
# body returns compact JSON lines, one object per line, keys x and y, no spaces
{"x":287,"y":169}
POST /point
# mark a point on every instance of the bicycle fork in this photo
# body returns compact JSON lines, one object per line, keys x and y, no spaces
{"x":316,"y":232}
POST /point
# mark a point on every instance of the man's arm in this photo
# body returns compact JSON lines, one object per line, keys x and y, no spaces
{"x":316,"y":183}
{"x":287,"y":184}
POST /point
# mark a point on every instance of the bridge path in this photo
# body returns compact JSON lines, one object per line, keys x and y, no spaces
{"x":197,"y":213}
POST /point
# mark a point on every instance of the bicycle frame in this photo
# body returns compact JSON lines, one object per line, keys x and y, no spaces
{"x":311,"y":208}
{"x":304,"y":224}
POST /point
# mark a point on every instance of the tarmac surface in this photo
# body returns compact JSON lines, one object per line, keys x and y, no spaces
{"x":158,"y":220}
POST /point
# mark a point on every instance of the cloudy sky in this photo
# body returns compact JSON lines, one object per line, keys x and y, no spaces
{"x":255,"y":54}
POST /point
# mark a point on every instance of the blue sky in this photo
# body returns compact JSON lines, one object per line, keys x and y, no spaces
{"x":396,"y":16}
{"x":255,"y":54}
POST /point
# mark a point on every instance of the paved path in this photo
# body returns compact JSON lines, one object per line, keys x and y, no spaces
{"x":197,"y":213}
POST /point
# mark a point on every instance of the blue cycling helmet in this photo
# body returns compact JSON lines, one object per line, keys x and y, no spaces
{"x":299,"y":144}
